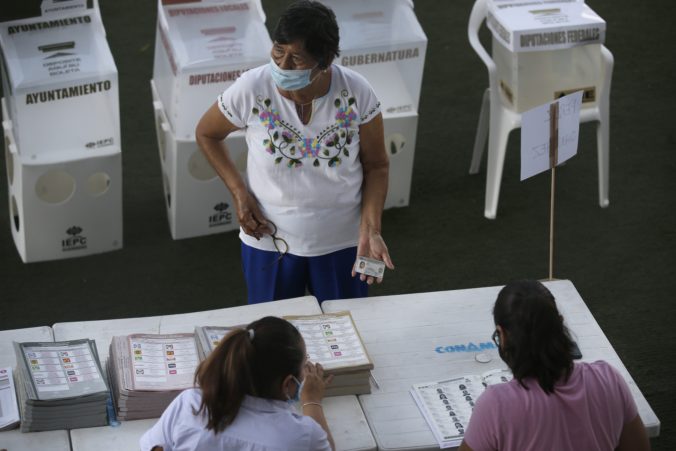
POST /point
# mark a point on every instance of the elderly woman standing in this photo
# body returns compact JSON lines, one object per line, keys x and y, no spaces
{"x":317,"y":168}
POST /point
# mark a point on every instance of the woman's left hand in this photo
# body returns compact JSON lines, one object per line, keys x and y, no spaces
{"x":315,"y":383}
{"x":372,"y":245}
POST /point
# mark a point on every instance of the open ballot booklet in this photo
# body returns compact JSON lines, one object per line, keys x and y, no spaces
{"x":447,"y":404}
{"x":147,"y":371}
{"x":60,"y":385}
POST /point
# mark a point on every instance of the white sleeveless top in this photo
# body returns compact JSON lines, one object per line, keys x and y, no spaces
{"x":307,"y":177}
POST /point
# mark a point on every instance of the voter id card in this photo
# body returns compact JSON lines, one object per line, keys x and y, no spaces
{"x":370,"y":267}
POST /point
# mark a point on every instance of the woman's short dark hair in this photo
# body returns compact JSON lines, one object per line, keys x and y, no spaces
{"x":315,"y":25}
{"x":537,"y":342}
{"x":241,"y":365}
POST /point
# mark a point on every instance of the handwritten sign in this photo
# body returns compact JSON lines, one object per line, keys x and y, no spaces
{"x":535,"y":133}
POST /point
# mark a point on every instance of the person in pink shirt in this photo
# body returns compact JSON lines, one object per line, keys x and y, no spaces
{"x":552,"y":403}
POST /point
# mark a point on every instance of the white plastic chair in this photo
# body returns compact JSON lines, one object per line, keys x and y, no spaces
{"x":497,"y":119}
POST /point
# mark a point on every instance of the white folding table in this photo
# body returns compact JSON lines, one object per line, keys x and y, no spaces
{"x":186,"y":322}
{"x":425,"y":337}
{"x":8,"y":337}
{"x":103,"y":331}
{"x":28,"y":441}
{"x":344,"y":415}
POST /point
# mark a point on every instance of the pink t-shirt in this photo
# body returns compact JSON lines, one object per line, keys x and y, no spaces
{"x":587,"y":412}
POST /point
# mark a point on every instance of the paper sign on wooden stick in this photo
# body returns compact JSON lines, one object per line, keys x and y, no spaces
{"x":535,"y":131}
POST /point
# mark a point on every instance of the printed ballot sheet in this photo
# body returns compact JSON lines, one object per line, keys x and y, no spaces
{"x":214,"y":335}
{"x":62,"y":369}
{"x":535,"y":133}
{"x":333,"y":341}
{"x":447,"y":405}
{"x":162,"y":362}
{"x":208,"y":337}
{"x":9,"y":409}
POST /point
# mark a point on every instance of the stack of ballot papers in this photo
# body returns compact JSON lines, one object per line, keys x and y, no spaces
{"x":147,"y":371}
{"x":332,"y":340}
{"x":60,"y":385}
{"x":9,"y":410}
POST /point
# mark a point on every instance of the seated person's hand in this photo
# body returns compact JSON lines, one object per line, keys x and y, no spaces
{"x":315,"y":383}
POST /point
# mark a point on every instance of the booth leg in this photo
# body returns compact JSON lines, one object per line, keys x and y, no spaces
{"x":481,"y":133}
{"x":603,"y":148}
{"x":497,"y":146}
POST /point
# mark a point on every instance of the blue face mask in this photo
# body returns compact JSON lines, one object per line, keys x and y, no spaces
{"x":290,"y":80}
{"x":296,"y":397}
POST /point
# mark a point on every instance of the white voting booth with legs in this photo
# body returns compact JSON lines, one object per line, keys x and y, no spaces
{"x":201,"y":48}
{"x":383,"y":41}
{"x":539,"y":53}
{"x":62,"y":135}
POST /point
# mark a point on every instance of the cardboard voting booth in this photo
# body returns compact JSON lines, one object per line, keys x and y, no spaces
{"x":383,"y":40}
{"x":197,"y":200}
{"x":62,"y":135}
{"x":546,"y":49}
{"x":400,"y":135}
{"x":59,"y":78}
{"x":201,"y":48}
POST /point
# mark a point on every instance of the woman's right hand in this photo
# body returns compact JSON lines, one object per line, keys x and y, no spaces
{"x":250,"y":217}
{"x":315,"y":383}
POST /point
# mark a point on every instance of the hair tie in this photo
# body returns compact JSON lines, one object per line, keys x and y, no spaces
{"x":251,"y":334}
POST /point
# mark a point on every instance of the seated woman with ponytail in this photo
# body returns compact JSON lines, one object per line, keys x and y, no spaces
{"x":245,"y":395}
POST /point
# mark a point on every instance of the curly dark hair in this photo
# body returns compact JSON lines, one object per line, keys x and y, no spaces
{"x":313,"y":24}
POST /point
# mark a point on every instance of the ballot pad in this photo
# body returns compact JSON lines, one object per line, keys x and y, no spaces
{"x":60,"y":385}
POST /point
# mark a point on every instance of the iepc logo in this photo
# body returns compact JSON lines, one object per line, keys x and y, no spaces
{"x":223,"y":216}
{"x":75,"y":239}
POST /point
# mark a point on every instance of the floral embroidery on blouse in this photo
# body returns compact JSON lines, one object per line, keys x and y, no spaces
{"x":270,"y":119}
{"x":289,"y":144}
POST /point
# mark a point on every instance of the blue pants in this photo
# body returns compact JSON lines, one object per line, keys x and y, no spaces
{"x":269,"y":278}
